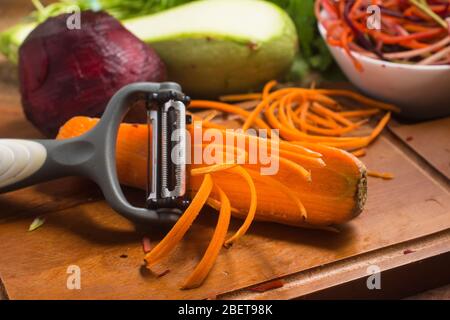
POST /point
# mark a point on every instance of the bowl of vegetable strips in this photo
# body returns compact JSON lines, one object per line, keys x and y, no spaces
{"x":393,"y":50}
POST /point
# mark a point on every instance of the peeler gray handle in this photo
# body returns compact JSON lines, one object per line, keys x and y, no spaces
{"x":27,"y":162}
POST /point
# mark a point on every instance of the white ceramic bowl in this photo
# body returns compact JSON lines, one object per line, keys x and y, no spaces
{"x":422,"y":92}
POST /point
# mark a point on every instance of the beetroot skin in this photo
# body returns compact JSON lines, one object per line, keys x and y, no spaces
{"x":65,"y":73}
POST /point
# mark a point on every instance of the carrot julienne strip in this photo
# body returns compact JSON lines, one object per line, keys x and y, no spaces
{"x":357,"y":97}
{"x":334,"y":132}
{"x":252,"y":208}
{"x":385,"y":176}
{"x":211,"y":169}
{"x":177,"y":232}
{"x":210,"y":116}
{"x":227,"y":108}
{"x":283,"y":188}
{"x":269,"y":86}
{"x":326,"y":123}
{"x":360,"y":152}
{"x":241,"y":97}
{"x":305,"y":174}
{"x":376,"y":132}
{"x":279,"y":144}
{"x":359,"y":113}
{"x":203,"y":268}
{"x":327,"y":112}
{"x":289,"y":155}
{"x":303,"y":112}
{"x":296,"y":135}
{"x":216,"y":205}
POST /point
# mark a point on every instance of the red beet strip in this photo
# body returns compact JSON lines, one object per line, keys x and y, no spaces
{"x":146,"y":245}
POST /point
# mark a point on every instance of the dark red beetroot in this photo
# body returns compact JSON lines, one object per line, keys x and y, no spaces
{"x":64,"y":73}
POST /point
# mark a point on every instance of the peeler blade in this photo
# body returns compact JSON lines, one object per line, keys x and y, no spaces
{"x":167,"y":156}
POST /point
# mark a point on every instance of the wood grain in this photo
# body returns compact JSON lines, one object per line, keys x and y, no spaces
{"x":431,"y":140}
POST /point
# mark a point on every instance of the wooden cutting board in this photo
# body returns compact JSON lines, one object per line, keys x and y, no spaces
{"x":406,"y":221}
{"x":430,"y":140}
{"x":82,"y":230}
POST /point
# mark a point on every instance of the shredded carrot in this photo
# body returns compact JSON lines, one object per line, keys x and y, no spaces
{"x":376,"y":132}
{"x":359,"y":113}
{"x":305,"y":174}
{"x":314,"y":162}
{"x":207,"y":124}
{"x":260,"y":107}
{"x":382,"y":175}
{"x":227,"y":108}
{"x":269,"y":86}
{"x":240,"y":153}
{"x":303,"y":112}
{"x":296,"y":135}
{"x":211,"y":116}
{"x":360,"y":98}
{"x":183,"y":224}
{"x":241,"y":97}
{"x":211,"y":169}
{"x":324,"y":122}
{"x":216,"y":205}
{"x":200,"y":272}
{"x":334,"y":132}
{"x":317,"y":107}
{"x":360,"y":152}
{"x":283,"y":188}
{"x":252,"y":208}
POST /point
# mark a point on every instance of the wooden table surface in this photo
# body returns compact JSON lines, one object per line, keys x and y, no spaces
{"x":405,"y":230}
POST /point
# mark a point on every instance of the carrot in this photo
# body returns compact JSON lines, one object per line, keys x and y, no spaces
{"x":202,"y":269}
{"x":360,"y":152}
{"x":281,"y":186}
{"x":324,"y":122}
{"x":266,"y":97}
{"x":303,"y":113}
{"x":216,"y":205}
{"x":226,"y":108}
{"x":376,"y":132}
{"x":335,"y":193}
{"x":317,"y":107}
{"x":241,"y":97}
{"x":360,"y":98}
{"x":183,"y":224}
{"x":252,"y":209}
{"x":359,"y":113}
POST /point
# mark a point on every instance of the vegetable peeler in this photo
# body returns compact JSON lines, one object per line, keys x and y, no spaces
{"x":92,"y":155}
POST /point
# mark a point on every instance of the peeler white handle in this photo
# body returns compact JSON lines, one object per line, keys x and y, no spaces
{"x":19,"y":159}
